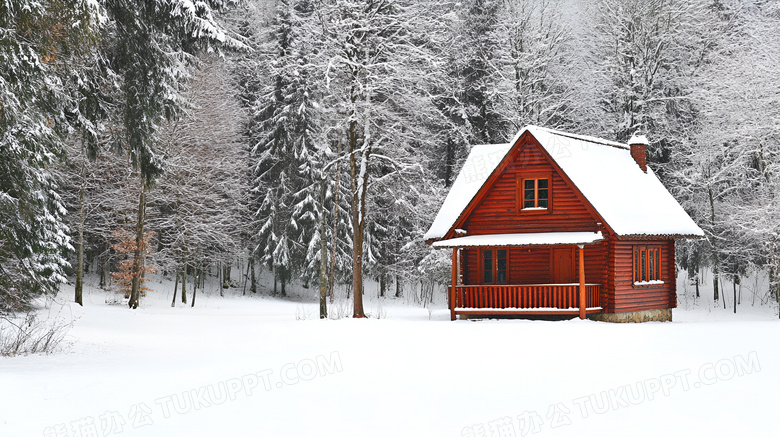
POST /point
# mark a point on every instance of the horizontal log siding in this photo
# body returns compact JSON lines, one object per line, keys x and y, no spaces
{"x":526,"y":266}
{"x":596,"y":256}
{"x":497,"y":212}
{"x":626,"y":296}
{"x":532,"y":265}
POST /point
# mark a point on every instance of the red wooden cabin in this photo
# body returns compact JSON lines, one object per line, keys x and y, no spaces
{"x":555,"y":223}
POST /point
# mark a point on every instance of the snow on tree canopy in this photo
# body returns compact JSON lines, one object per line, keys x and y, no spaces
{"x":631,"y":202}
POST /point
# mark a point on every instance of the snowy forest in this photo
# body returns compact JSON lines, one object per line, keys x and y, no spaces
{"x":314,"y":140}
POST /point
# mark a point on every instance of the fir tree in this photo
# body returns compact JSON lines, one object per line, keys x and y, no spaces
{"x":287,"y":120}
{"x":36,"y":41}
{"x":153,"y":39}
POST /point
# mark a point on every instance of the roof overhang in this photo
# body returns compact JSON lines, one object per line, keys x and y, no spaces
{"x":521,"y":240}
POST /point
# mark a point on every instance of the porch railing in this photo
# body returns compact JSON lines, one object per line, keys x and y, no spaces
{"x":563,"y":296}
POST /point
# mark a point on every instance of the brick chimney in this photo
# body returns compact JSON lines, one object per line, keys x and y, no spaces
{"x":638,"y":144}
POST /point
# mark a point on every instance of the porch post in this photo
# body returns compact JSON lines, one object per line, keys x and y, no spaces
{"x":582,"y":281}
{"x":454,"y":282}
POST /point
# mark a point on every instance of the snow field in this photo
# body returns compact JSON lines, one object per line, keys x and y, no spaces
{"x":248,"y":366}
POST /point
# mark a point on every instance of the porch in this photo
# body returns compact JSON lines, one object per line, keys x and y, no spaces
{"x":501,"y":275}
{"x":527,"y":299}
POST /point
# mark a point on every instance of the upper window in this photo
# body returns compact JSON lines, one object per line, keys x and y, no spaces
{"x":533,"y":193}
{"x":647,"y":265}
{"x":494,"y":266}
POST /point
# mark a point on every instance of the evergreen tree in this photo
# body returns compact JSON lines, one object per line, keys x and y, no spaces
{"x":153,"y":39}
{"x":477,"y":71}
{"x":287,"y":120}
{"x":37,"y":39}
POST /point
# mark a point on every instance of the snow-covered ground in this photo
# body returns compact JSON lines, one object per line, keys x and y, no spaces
{"x":257,"y":366}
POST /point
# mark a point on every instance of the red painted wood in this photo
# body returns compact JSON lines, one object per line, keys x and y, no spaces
{"x":629,"y":297}
{"x":526,"y":296}
{"x":495,"y":208}
{"x":610,"y":263}
{"x":562,"y":265}
{"x":583,"y":296}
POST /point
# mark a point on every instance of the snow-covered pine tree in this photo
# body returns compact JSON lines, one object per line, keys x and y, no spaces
{"x":152,"y":43}
{"x":466,"y":82}
{"x":286,"y":117}
{"x":37,"y":38}
{"x":476,"y":69}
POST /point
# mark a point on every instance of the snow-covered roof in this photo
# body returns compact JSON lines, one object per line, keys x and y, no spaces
{"x":527,"y":239}
{"x":631,"y":201}
{"x":479,"y":165}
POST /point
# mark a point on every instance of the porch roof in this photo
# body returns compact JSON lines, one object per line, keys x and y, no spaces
{"x":526,"y":239}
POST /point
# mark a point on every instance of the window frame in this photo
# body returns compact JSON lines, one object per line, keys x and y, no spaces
{"x":494,"y":266}
{"x":520,"y":193}
{"x":647,"y":265}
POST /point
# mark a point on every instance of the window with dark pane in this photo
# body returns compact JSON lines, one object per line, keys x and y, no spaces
{"x":542,"y":193}
{"x":488,"y":266}
{"x":536,"y":193}
{"x":636,"y":265}
{"x":529,"y":196}
{"x":647,"y":264}
{"x":501,"y":266}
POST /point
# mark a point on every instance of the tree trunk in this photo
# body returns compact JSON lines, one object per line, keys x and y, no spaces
{"x":194,"y":291}
{"x":382,"y":284}
{"x":697,"y":285}
{"x":274,"y":281}
{"x":221,"y":281}
{"x":399,"y":291}
{"x":252,"y":272}
{"x":103,"y":269}
{"x":227,"y":271}
{"x":175,"y":289}
{"x":246,"y":277}
{"x":183,"y":285}
{"x":80,"y":254}
{"x":449,"y":162}
{"x":195,"y":280}
{"x":284,"y":283}
{"x":774,"y":285}
{"x":135,"y":291}
{"x":715,"y":257}
{"x":734,"y":286}
{"x":336,"y":192}
{"x":358,"y":179}
{"x":323,"y":256}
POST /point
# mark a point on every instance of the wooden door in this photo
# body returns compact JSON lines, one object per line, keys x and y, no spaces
{"x":563,"y":266}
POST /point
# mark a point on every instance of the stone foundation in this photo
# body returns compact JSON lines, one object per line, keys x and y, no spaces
{"x":664,"y":315}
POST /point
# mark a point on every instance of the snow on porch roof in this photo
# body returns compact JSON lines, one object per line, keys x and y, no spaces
{"x":632,"y":202}
{"x":527,"y":239}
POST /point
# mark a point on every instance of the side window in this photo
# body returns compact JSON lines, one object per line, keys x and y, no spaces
{"x":647,"y":264}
